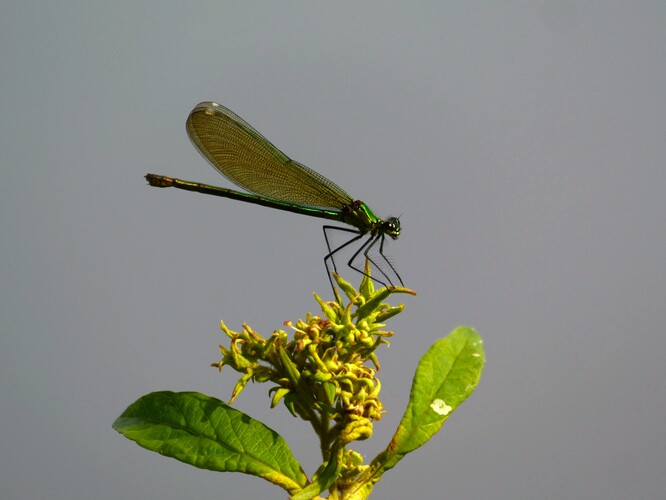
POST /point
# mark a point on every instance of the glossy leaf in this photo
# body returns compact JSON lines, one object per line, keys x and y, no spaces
{"x":447,"y":374}
{"x":207,"y":433}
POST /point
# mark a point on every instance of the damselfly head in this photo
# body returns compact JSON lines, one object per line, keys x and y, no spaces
{"x":392,"y":227}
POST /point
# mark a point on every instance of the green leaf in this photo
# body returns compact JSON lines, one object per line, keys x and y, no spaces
{"x":207,"y":433}
{"x":447,"y":374}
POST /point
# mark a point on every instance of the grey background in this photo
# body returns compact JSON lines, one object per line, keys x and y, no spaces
{"x":522,"y":142}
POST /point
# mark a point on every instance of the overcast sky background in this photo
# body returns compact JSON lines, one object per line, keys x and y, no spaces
{"x":522,"y":143}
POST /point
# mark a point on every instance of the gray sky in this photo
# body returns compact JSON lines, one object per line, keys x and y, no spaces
{"x":522,"y":143}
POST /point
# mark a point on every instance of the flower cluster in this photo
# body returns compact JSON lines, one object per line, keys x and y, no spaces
{"x":321,"y":373}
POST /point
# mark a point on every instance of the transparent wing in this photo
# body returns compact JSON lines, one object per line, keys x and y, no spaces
{"x":247,"y":159}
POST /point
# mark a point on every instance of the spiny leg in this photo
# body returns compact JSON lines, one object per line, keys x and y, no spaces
{"x":365,"y":248}
{"x":331,"y":252}
{"x":388,"y":262}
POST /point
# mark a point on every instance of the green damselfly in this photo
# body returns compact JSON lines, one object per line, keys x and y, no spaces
{"x":272,"y":179}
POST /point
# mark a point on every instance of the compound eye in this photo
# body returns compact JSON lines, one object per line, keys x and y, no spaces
{"x":393,"y":225}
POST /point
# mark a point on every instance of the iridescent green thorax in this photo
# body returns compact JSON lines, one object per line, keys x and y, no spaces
{"x":359,"y":215}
